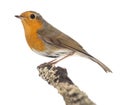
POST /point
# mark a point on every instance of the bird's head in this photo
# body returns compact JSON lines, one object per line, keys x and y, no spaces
{"x":31,"y":20}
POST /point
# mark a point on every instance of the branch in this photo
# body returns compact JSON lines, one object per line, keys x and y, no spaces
{"x":57,"y":77}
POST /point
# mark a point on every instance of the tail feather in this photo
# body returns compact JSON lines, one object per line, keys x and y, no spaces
{"x":106,"y":69}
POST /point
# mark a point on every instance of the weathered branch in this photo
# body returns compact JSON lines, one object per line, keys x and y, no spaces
{"x":57,"y":77}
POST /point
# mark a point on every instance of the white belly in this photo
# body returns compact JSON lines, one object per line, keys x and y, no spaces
{"x":53,"y":54}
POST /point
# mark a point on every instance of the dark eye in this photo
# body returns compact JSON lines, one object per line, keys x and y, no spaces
{"x":32,"y":16}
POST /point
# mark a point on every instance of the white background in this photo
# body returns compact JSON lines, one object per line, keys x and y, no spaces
{"x":95,"y":24}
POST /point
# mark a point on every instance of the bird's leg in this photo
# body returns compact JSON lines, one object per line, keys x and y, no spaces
{"x":57,"y":60}
{"x":52,"y":61}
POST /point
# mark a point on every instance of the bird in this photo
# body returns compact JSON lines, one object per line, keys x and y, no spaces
{"x":46,"y":40}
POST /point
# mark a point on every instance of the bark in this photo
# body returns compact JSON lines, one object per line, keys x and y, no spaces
{"x":57,"y":77}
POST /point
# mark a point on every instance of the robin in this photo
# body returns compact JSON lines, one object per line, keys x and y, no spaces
{"x":48,"y":41}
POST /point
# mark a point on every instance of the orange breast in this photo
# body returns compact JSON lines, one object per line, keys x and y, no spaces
{"x":32,"y":37}
{"x":35,"y":42}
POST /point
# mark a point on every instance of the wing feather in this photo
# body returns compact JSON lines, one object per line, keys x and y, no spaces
{"x":54,"y":37}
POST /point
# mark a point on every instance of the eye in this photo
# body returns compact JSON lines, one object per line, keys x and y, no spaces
{"x":32,"y":16}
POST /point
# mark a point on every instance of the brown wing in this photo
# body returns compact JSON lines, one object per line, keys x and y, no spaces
{"x":55,"y":37}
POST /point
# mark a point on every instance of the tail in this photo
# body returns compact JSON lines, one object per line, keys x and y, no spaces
{"x":105,"y":68}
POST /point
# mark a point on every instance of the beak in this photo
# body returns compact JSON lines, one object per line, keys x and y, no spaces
{"x":17,"y":16}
